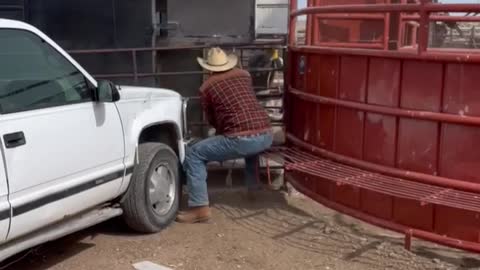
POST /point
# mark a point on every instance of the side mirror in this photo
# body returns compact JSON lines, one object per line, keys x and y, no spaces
{"x":106,"y":92}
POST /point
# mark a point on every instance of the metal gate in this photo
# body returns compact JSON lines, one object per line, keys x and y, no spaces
{"x":393,"y":127}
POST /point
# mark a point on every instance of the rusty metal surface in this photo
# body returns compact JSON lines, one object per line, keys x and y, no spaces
{"x":406,"y":121}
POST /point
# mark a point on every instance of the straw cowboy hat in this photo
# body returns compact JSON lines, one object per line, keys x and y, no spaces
{"x":218,"y":61}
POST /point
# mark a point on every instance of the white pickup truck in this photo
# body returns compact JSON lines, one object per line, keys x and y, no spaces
{"x":76,"y":151}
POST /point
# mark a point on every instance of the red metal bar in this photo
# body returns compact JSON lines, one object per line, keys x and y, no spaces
{"x":386,"y":31}
{"x":414,"y":35}
{"x":420,"y":177}
{"x":431,"y":7}
{"x":460,"y":56}
{"x":444,"y":240}
{"x":424,"y":115}
{"x":298,"y":160}
{"x":346,"y":16}
{"x":423,"y":29}
{"x":274,"y":124}
{"x":401,"y":32}
{"x":443,"y":18}
{"x":378,"y":8}
{"x":352,"y":45}
{"x":312,"y":31}
{"x":292,"y":21}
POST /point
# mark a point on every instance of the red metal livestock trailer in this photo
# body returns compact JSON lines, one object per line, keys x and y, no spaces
{"x":381,"y":126}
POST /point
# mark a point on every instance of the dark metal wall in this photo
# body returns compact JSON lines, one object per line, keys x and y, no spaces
{"x":85,"y":24}
{"x":93,"y":24}
{"x":211,"y":20}
{"x":13,"y":11}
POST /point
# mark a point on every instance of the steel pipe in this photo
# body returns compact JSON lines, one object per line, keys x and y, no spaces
{"x":460,"y":56}
{"x":415,"y":176}
{"x":376,"y":8}
{"x":346,"y":16}
{"x":365,"y":45}
{"x":416,"y":114}
{"x":382,"y":8}
{"x":443,"y":18}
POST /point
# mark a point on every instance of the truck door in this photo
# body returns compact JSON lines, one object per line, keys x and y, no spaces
{"x":4,"y":204}
{"x":63,"y":151}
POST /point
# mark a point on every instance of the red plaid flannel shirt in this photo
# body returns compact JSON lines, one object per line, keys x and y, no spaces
{"x":231,"y":106}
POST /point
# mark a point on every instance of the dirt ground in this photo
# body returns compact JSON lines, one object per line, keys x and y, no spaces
{"x":276,"y":232}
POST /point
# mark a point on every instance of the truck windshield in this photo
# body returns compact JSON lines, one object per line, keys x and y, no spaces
{"x":34,"y":75}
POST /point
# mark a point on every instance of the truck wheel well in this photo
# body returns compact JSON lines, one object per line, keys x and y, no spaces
{"x":163,"y":133}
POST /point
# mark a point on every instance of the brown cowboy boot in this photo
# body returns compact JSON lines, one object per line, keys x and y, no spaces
{"x":194,"y":215}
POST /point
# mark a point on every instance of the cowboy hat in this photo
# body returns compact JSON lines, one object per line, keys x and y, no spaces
{"x":218,"y":61}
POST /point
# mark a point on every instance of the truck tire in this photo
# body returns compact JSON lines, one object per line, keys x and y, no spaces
{"x":152,"y":199}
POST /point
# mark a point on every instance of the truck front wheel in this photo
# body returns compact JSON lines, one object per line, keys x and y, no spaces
{"x":152,"y":199}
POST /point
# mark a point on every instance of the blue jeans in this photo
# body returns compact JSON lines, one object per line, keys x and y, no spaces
{"x":221,"y":148}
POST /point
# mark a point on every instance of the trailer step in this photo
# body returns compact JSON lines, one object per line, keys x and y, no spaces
{"x":298,"y":160}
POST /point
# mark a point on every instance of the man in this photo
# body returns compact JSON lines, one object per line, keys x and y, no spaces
{"x":242,"y":130}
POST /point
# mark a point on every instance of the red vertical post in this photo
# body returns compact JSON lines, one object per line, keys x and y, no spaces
{"x":292,"y":23}
{"x":386,"y":29}
{"x":401,"y":28}
{"x":311,"y":35}
{"x":423,"y":28}
{"x":401,"y":32}
{"x":414,"y":35}
{"x":289,"y":64}
{"x":408,"y":239}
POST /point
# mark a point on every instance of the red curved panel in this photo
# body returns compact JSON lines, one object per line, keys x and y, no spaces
{"x":374,"y":114}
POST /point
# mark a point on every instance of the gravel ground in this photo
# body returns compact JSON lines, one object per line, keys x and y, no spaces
{"x":276,"y":232}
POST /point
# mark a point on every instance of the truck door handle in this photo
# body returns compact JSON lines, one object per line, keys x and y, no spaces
{"x":14,"y":139}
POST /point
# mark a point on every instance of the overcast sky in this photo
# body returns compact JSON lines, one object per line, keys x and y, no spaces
{"x":302,"y":3}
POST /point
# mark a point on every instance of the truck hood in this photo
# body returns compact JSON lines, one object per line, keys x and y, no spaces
{"x":146,"y":93}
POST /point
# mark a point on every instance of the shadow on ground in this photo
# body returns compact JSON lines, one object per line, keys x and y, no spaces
{"x":50,"y":254}
{"x":293,"y":222}
{"x":297,"y":225}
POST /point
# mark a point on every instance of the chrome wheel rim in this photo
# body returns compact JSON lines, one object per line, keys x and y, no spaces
{"x":161,"y":189}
